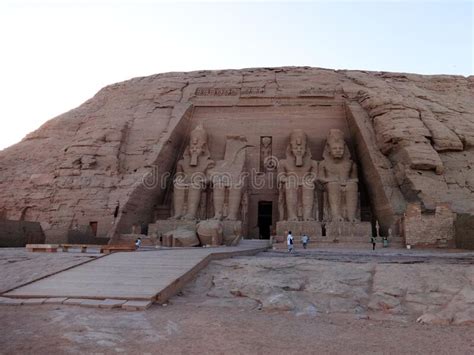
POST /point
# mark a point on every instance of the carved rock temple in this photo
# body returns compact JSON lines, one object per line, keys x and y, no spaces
{"x":208,"y":157}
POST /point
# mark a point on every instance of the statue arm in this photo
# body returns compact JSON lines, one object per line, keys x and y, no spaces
{"x":322,"y":173}
{"x":211,"y":164}
{"x":315,"y":170}
{"x":353,"y":176}
{"x":179,"y":174}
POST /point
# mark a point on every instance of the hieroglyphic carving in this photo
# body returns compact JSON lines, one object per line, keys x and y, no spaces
{"x":245,"y":91}
{"x":244,"y":208}
{"x":266,"y":154}
{"x":249,"y":91}
{"x":316,"y":92}
{"x":217,"y":91}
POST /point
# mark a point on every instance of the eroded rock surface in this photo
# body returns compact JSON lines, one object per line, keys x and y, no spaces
{"x":437,"y":293}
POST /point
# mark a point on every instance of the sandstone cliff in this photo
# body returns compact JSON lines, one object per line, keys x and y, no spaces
{"x":413,"y":136}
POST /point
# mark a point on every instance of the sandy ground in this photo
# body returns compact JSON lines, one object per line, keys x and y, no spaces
{"x":196,"y":323}
{"x":184,"y":329}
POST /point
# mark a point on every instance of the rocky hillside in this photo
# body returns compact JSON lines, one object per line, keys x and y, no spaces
{"x":88,"y":164}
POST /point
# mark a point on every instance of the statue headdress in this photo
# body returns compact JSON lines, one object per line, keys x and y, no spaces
{"x":335,"y":136}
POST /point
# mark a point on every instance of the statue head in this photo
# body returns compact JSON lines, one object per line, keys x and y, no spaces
{"x":298,"y":146}
{"x":197,"y":144}
{"x":335,"y":144}
{"x":266,"y":141}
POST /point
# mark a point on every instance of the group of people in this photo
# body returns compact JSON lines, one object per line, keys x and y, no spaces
{"x":290,"y":241}
{"x":305,"y":240}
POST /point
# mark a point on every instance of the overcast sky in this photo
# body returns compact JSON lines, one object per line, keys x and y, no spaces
{"x":57,"y":54}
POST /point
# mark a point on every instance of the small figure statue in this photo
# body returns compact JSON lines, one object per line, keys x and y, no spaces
{"x":266,"y":162}
{"x":191,"y":175}
{"x":338,"y":173}
{"x":244,"y":205}
{"x":297,"y":171}
{"x":386,"y":238}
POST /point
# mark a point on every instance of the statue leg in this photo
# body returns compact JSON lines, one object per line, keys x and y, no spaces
{"x":235,"y":194}
{"x":291,"y":193}
{"x":178,"y":201}
{"x":351,"y":201}
{"x":334,"y":199}
{"x":194,"y":195}
{"x":281,"y":203}
{"x":218,"y":199}
{"x":308,"y":202}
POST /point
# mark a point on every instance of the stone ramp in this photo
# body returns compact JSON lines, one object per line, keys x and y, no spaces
{"x":140,"y":276}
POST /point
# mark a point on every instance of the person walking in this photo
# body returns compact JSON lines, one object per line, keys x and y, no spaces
{"x":138,"y":242}
{"x":373,"y":240}
{"x":289,"y":242}
{"x":305,"y":240}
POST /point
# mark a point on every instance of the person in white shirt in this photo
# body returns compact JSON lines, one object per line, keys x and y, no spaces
{"x":138,"y":242}
{"x":304,"y":240}
{"x":289,"y":241}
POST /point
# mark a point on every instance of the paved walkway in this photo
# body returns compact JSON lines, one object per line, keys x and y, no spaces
{"x":149,"y":276}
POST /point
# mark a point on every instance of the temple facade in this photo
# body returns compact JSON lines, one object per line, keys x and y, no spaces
{"x":253,"y":153}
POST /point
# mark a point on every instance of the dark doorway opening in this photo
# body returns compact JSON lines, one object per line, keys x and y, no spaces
{"x":264,"y":219}
{"x":93,"y":226}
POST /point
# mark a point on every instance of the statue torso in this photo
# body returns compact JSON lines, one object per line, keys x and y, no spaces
{"x":337,"y":170}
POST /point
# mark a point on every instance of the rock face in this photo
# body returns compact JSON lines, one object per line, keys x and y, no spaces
{"x":436,"y":293}
{"x":109,"y":162}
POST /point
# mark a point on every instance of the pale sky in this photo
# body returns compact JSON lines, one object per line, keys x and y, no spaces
{"x":57,"y":54}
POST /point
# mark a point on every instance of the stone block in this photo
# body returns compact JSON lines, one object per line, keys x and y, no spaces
{"x":5,"y":301}
{"x":110,"y":303}
{"x":91,"y":303}
{"x":428,"y":229}
{"x":33,"y":301}
{"x":210,"y":232}
{"x":136,"y":305}
{"x":55,"y":300}
{"x":160,"y":227}
{"x":349,"y":229}
{"x":180,"y":237}
{"x":73,"y":301}
{"x":232,"y":232}
{"x":297,"y":228}
{"x":49,"y":248}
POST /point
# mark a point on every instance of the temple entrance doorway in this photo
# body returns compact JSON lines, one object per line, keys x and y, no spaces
{"x":264,"y":219}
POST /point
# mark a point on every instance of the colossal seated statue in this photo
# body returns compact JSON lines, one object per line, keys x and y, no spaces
{"x":227,"y":179}
{"x":191,"y":175}
{"x":296,"y":176}
{"x":338,"y":174}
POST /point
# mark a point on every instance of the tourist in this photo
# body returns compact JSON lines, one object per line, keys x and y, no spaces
{"x":373,"y":240}
{"x":138,"y":242}
{"x":289,"y":241}
{"x":304,"y":240}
